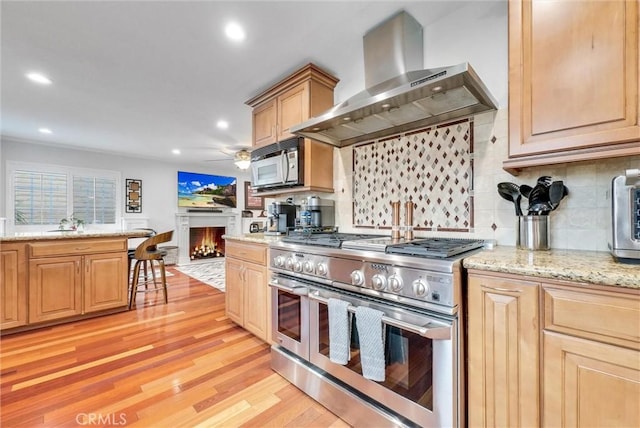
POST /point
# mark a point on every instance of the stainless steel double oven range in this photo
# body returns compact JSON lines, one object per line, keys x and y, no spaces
{"x":417,"y":285}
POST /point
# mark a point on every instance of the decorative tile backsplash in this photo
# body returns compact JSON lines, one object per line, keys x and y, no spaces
{"x":432,"y":167}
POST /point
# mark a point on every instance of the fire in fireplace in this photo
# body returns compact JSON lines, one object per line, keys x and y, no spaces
{"x":206,"y":242}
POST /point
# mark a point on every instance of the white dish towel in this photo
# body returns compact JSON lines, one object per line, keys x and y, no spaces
{"x":339,"y":331}
{"x":371,"y":334}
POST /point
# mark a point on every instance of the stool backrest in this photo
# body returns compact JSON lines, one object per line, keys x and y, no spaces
{"x":147,"y":250}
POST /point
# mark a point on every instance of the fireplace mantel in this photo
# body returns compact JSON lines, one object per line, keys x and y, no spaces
{"x":186,"y":220}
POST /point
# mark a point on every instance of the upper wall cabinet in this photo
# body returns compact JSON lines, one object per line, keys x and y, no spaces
{"x":573,"y":81}
{"x":306,"y":93}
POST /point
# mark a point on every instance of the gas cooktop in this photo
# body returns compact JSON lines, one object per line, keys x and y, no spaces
{"x":435,"y":247}
{"x":330,"y":239}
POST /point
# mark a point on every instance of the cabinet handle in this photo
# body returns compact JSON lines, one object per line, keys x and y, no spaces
{"x":504,"y":290}
{"x":83,"y":248}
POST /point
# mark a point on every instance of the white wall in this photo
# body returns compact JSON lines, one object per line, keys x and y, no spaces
{"x":159,"y":180}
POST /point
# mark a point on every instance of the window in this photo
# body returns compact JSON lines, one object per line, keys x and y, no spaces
{"x":43,"y":195}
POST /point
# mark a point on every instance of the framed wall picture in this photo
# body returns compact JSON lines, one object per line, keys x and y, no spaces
{"x":134,"y":196}
{"x":252,"y":202}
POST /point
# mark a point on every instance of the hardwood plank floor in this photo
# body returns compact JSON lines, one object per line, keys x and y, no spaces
{"x":184,"y":364}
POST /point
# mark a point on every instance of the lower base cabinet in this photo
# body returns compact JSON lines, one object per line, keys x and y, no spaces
{"x":590,"y":384}
{"x":547,"y":353}
{"x":247,"y":298}
{"x":13,"y":285}
{"x":503,"y":352}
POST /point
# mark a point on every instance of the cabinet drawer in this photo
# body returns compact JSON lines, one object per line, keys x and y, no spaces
{"x":76,"y":246}
{"x":255,"y":253}
{"x":599,"y":315}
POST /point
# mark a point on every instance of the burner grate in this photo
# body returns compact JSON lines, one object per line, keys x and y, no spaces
{"x":435,"y":247}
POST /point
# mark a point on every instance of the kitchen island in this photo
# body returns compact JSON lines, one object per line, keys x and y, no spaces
{"x":55,"y":277}
{"x":553,"y":339}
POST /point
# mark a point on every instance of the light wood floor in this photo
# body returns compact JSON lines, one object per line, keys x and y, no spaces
{"x":183,"y":364}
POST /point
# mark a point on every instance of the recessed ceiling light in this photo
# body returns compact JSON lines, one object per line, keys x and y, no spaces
{"x":234,"y":31}
{"x":222,"y":124}
{"x":175,"y":151}
{"x":45,"y":131}
{"x":39,"y":78}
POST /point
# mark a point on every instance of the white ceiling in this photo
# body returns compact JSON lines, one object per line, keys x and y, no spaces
{"x":141,"y":78}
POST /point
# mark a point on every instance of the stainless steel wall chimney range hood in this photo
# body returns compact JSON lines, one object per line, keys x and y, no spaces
{"x":397,"y":99}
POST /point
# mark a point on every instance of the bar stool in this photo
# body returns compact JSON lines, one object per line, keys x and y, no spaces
{"x":148,"y":251}
{"x":131,"y":255}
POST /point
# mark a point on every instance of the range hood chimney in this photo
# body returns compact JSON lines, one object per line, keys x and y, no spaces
{"x":400,"y":95}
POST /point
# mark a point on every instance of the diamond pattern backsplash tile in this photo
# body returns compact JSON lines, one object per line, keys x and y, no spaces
{"x":432,"y":167}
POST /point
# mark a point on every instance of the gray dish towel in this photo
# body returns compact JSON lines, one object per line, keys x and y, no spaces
{"x":339,"y":331}
{"x":371,"y":333}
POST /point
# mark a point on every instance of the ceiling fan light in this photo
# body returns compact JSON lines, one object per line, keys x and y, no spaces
{"x":242,"y":159}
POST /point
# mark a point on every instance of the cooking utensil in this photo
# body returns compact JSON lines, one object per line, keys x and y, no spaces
{"x":557,"y":191}
{"x":544,"y":180}
{"x":511,"y":192}
{"x":525,"y":190}
{"x":539,"y":200}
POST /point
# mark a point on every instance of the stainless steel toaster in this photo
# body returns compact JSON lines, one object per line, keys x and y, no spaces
{"x":624,"y":236}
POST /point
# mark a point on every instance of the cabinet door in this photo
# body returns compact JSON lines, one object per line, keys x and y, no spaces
{"x":503,"y":335}
{"x":264,"y":124}
{"x":234,"y":289}
{"x":573,"y":77}
{"x":589,"y":384}
{"x":255,"y":300}
{"x":13,"y":286}
{"x":55,"y":288}
{"x":105,"y":281}
{"x":293,"y":108}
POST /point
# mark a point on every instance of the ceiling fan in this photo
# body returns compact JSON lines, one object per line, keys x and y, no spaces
{"x":241,"y":157}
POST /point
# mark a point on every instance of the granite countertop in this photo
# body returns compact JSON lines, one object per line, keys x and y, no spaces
{"x":590,"y":267}
{"x":259,"y":238}
{"x":41,"y":236}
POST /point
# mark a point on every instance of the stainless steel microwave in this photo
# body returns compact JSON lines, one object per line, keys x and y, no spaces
{"x":278,"y":165}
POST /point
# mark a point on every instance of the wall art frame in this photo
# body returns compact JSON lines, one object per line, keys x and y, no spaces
{"x":252,"y":202}
{"x":133,"y":203}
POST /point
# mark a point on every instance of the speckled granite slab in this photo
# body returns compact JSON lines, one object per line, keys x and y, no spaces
{"x":39,"y":236}
{"x":591,"y":267}
{"x":259,"y":238}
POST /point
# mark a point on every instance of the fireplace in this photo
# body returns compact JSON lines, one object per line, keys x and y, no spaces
{"x":206,"y":242}
{"x":185,"y":221}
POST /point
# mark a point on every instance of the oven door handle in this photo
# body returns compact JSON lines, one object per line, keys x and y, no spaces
{"x":298,"y":291}
{"x":436,"y":333}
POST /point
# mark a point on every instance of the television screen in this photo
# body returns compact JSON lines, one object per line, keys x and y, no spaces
{"x":206,"y":191}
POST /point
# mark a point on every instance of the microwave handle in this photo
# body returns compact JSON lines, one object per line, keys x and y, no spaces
{"x":284,"y":161}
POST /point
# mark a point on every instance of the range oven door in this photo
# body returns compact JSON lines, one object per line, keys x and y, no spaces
{"x":290,"y":315}
{"x":421,"y":376}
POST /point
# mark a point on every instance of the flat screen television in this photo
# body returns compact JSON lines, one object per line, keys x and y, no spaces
{"x":206,"y":191}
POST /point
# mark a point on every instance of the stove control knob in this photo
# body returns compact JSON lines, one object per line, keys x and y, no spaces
{"x":321,"y":268}
{"x":308,"y":267}
{"x":278,"y":261}
{"x":357,"y":278}
{"x":378,"y":282}
{"x":395,"y":282}
{"x":297,"y":266}
{"x":289,"y":263}
{"x":420,"y":287}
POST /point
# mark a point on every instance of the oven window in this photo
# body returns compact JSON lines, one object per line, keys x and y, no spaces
{"x":289,"y":315}
{"x":409,"y":360}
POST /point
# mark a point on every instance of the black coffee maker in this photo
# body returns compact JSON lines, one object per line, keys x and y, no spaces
{"x":282,"y":217}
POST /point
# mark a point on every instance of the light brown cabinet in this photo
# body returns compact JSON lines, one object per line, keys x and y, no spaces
{"x":305,"y":93}
{"x":573,"y":81}
{"x":247,"y":297}
{"x":76,"y":277}
{"x":551,"y":353}
{"x":13,"y":285}
{"x":591,"y":363}
{"x":503,"y":352}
